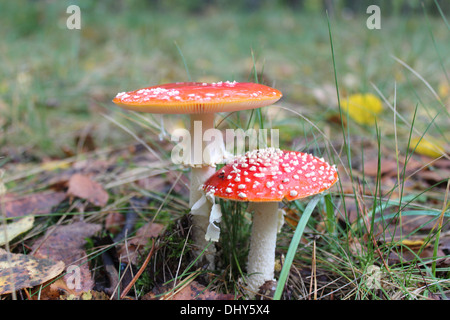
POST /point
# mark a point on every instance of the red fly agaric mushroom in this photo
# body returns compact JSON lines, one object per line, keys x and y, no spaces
{"x":201,"y":101}
{"x":264,"y":178}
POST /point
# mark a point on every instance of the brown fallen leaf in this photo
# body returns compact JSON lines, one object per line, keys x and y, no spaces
{"x":434,"y":176}
{"x":387,"y":166}
{"x":291,"y":217}
{"x":154,"y":183}
{"x":82,"y":186}
{"x":130,"y":251}
{"x":25,"y":271}
{"x":55,"y":290}
{"x":403,"y":255}
{"x":65,"y":243}
{"x":442,"y":163}
{"x":114,"y":222}
{"x":191,"y":291}
{"x":59,"y":290}
{"x":36,"y":203}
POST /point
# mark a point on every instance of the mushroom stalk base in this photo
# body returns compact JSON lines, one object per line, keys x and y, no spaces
{"x":261,"y":259}
{"x":199,"y":222}
{"x":199,"y":174}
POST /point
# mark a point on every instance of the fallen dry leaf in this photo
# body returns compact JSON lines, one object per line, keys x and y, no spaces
{"x":130,"y":251}
{"x":442,"y":163}
{"x":362,"y":107}
{"x":59,"y":290}
{"x":36,"y":203}
{"x":82,"y":186}
{"x":387,"y":166}
{"x":191,"y":291}
{"x":15,"y":228}
{"x":430,"y":147}
{"x":114,"y":222}
{"x":25,"y":271}
{"x":434,"y":176}
{"x":55,"y":165}
{"x":402,"y":255}
{"x":66,"y":243}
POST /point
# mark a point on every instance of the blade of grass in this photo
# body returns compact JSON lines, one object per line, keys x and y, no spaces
{"x":331,"y":218}
{"x":442,"y":14}
{"x":258,"y":110}
{"x":294,"y":245}
{"x":416,"y":131}
{"x":438,"y":234}
{"x":425,"y":82}
{"x":184,"y":61}
{"x":133,"y":135}
{"x":434,"y":43}
{"x":346,"y":146}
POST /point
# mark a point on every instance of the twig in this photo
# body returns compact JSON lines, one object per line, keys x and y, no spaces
{"x":138,"y":274}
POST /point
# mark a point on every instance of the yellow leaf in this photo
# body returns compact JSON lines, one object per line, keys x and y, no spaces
{"x":444,"y":90}
{"x":86,"y":295}
{"x":412,"y":243}
{"x":15,"y":228}
{"x":363,"y":108}
{"x":55,"y":165}
{"x":427,"y":147}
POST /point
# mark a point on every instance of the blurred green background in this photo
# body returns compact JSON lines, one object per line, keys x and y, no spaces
{"x":56,"y":82}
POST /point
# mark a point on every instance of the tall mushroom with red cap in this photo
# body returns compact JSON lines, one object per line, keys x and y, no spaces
{"x":264,"y":178}
{"x":200,"y":100}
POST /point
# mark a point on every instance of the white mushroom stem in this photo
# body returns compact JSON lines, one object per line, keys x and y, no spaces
{"x":261,"y":258}
{"x":200,"y":172}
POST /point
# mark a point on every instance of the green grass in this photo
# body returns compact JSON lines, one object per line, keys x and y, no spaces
{"x":58,"y":84}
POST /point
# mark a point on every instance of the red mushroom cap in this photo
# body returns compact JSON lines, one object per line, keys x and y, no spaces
{"x":272,"y":175}
{"x":198,"y":97}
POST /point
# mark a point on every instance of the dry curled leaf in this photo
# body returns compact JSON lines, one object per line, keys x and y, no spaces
{"x":114,"y":222}
{"x":131,"y":249}
{"x":82,"y":186}
{"x":191,"y":291}
{"x":15,"y":228}
{"x":387,"y":167}
{"x":66,"y":243}
{"x":36,"y":203}
{"x":23,"y":271}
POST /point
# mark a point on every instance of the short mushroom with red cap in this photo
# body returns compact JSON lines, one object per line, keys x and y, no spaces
{"x":264,"y":178}
{"x":200,"y":100}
